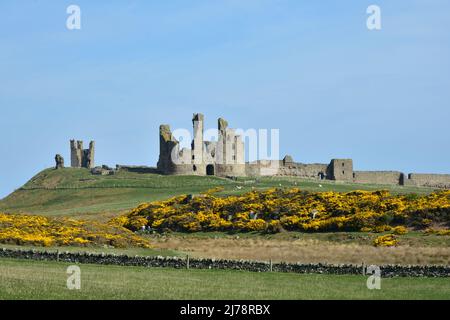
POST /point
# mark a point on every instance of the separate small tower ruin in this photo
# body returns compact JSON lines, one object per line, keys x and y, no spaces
{"x":82,"y":158}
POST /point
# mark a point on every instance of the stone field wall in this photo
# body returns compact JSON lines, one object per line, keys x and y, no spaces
{"x":253,"y":266}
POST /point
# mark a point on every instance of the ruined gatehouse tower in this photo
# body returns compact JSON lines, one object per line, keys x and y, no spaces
{"x":224,"y":157}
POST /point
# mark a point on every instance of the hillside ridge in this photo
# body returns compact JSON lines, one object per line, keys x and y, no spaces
{"x":78,"y":193}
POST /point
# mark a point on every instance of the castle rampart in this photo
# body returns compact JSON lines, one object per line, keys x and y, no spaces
{"x":428,"y":180}
{"x":378,"y":177}
{"x":226,"y":157}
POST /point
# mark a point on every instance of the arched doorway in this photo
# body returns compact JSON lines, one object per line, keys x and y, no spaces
{"x":210,"y":170}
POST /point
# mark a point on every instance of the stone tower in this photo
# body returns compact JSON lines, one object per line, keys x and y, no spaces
{"x":341,"y":169}
{"x":167,"y":143}
{"x":230,"y":153}
{"x":197,"y":142}
{"x":82,"y":158}
{"x":222,"y":158}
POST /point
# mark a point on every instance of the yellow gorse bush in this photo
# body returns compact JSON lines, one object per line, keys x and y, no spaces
{"x":388,"y":240}
{"x":44,"y":231}
{"x":293,"y":209}
{"x":440,"y":232}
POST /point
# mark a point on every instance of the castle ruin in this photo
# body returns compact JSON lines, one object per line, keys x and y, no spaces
{"x":81,"y":158}
{"x":226,"y":158}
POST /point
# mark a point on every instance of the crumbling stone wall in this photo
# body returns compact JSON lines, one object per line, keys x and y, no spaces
{"x":428,"y":180}
{"x":263,"y":168}
{"x":308,"y":171}
{"x":137,"y":169}
{"x":378,"y":177}
{"x":287,"y":167}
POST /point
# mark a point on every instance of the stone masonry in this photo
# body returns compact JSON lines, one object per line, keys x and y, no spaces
{"x":59,"y":162}
{"x":226,"y":158}
{"x":82,"y":158}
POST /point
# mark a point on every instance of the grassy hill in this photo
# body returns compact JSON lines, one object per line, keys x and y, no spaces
{"x":78,"y":193}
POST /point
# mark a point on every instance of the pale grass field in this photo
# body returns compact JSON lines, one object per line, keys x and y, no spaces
{"x":21,"y":279}
{"x":303,"y":250}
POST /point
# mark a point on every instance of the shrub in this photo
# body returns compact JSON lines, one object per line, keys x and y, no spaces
{"x":400,"y":230}
{"x":44,"y":231}
{"x":383,"y":228}
{"x":293,"y":209}
{"x":441,"y":232}
{"x":274,"y":226}
{"x":388,"y":240}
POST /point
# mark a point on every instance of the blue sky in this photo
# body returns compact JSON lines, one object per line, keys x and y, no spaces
{"x":309,"y":68}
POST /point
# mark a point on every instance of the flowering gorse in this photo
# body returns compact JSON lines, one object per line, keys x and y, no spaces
{"x":293,"y":209}
{"x":388,"y":240}
{"x":44,"y":231}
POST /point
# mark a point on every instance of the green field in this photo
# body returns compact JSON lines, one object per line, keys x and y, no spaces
{"x":78,"y":193}
{"x":22,"y":279}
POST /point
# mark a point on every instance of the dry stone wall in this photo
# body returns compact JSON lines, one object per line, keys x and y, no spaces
{"x":244,"y":265}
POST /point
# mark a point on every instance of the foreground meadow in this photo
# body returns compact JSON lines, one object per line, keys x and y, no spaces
{"x":414,"y":248}
{"x":20,"y":279}
{"x":278,"y":219}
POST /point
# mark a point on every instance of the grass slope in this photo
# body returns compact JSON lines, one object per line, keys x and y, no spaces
{"x":415,"y":248}
{"x":78,"y":193}
{"x":47,"y":280}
